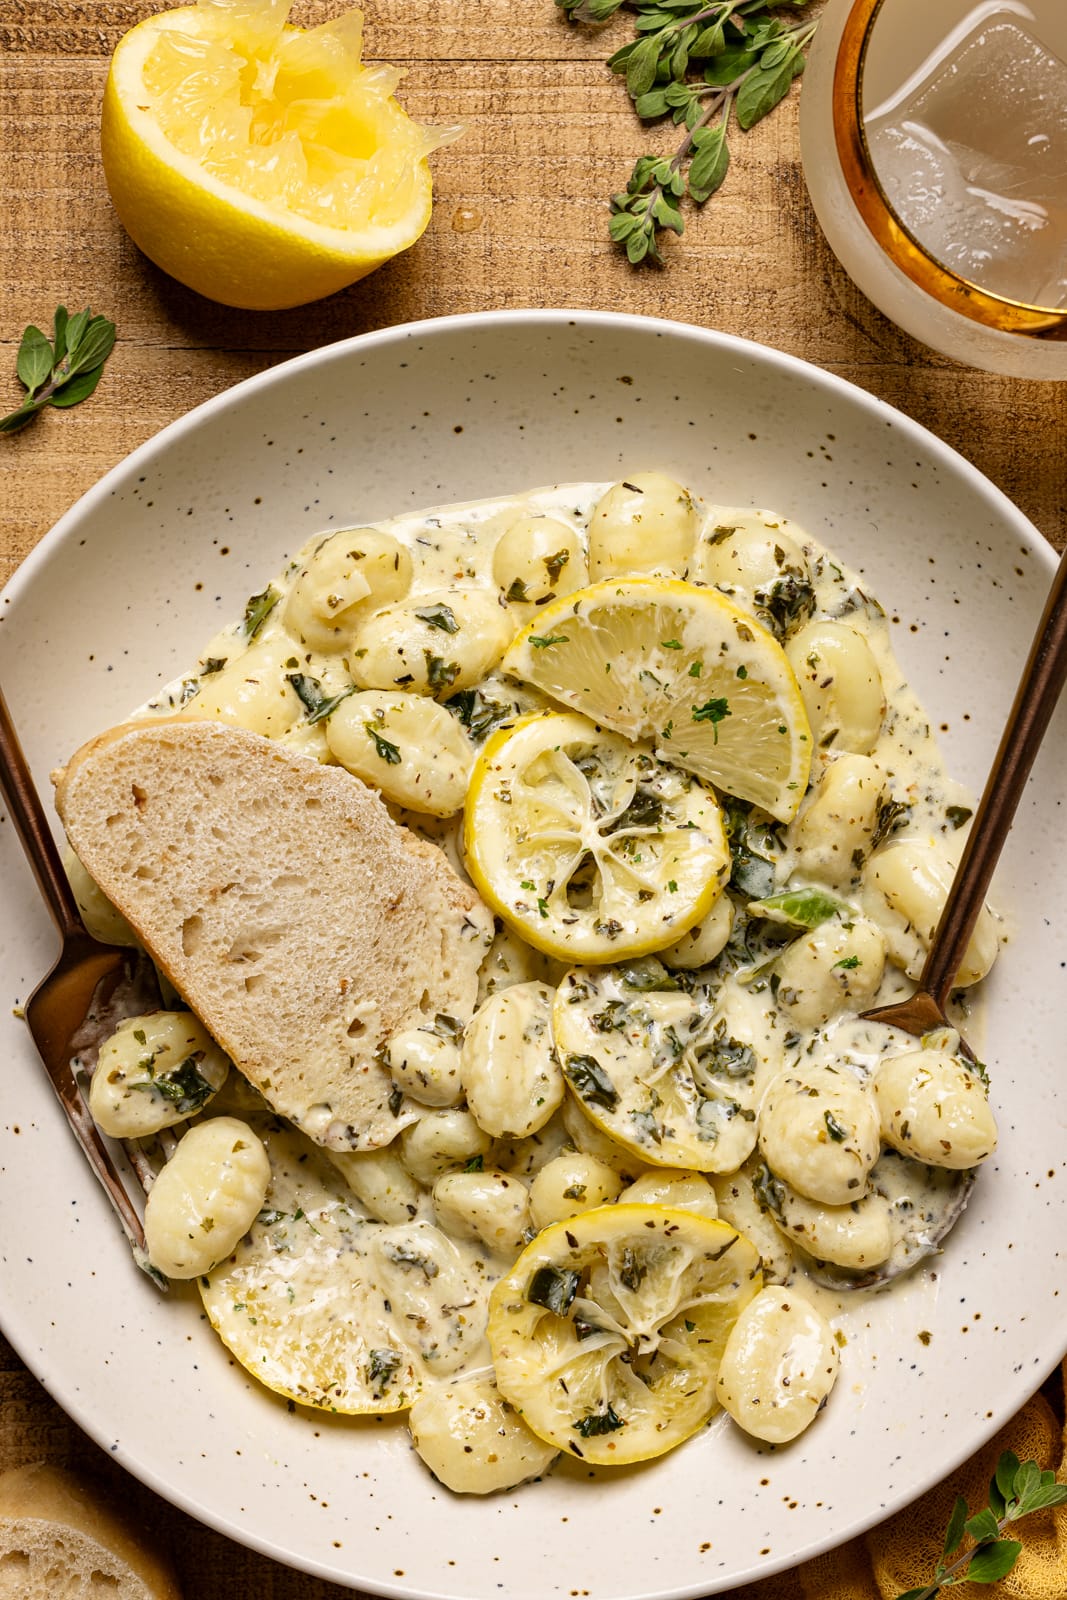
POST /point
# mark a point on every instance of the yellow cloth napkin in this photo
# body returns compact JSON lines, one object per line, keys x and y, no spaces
{"x":902,"y":1553}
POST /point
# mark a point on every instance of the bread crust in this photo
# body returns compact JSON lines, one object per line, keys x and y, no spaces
{"x":50,"y":1517}
{"x":296,"y":918}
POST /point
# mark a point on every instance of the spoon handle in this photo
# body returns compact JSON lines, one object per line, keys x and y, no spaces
{"x":31,"y":824}
{"x":1035,"y":700}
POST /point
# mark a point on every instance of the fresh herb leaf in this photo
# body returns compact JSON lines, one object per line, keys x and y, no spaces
{"x":478,"y":714}
{"x":1017,"y":1489}
{"x":597,"y":1422}
{"x":317,"y":704}
{"x":35,"y":360}
{"x":258,"y":609}
{"x":798,"y":908}
{"x":554,"y":1288}
{"x":184,"y":1086}
{"x":440,"y":674}
{"x":958,"y":815}
{"x":647,"y":975}
{"x":713,"y":711}
{"x":591,"y":1082}
{"x":993,"y":1561}
{"x":62,"y":371}
{"x":891,"y":815}
{"x":542,"y":641}
{"x":704,"y":64}
{"x":438,"y":616}
{"x":389,"y":752}
{"x":837,"y":1130}
{"x":382,"y":1367}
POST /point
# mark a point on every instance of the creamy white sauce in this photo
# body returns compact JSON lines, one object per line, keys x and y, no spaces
{"x":386,"y":1308}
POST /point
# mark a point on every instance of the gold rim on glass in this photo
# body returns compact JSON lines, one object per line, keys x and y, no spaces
{"x":873,"y":204}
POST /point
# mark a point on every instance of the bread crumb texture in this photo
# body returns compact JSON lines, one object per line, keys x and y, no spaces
{"x":297,"y":919}
{"x":62,"y":1539}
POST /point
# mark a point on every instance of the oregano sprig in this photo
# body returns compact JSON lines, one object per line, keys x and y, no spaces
{"x":1017,"y":1489}
{"x":704,"y":64}
{"x":61,"y":371}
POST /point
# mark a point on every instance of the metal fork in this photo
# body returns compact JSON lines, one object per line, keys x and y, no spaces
{"x":1035,"y":700}
{"x":83,"y":983}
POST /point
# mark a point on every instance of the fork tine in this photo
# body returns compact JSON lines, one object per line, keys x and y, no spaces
{"x":83,"y":980}
{"x":85,"y":975}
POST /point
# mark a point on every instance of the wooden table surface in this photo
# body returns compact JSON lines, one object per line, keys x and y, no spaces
{"x":520,"y":220}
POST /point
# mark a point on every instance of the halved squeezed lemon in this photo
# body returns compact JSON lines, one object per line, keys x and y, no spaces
{"x":683,"y":667}
{"x":586,"y":844}
{"x":262,"y":165}
{"x":656,"y":1065}
{"x":336,"y":1311}
{"x":608,"y":1332}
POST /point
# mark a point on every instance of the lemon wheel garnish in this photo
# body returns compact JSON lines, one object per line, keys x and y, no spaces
{"x":656,"y":1066}
{"x":259,"y":164}
{"x":683,"y":667}
{"x":587,"y":845}
{"x":335,"y":1313}
{"x":608,"y":1331}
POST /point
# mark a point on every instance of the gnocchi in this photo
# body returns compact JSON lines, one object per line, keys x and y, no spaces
{"x":206,"y":1197}
{"x":905,"y":889}
{"x":424,"y":1064}
{"x":538,"y":558}
{"x":778,"y":1367}
{"x":834,"y":833}
{"x":819,"y":1131}
{"x":572,"y":1183}
{"x":836,"y":967}
{"x":511,"y":1076}
{"x":340,"y":581}
{"x":754,"y":559}
{"x":473,"y":1441}
{"x":647,"y":523}
{"x":934,"y":1108}
{"x":841,"y":685}
{"x":409,"y":748}
{"x":154,"y":1071}
{"x":489,"y":1205}
{"x":432,"y":644}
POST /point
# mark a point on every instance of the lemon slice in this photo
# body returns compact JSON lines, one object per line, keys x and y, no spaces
{"x":659,"y":1067}
{"x":337,"y":1311}
{"x":587,"y":845}
{"x":259,"y":164}
{"x":608,"y":1331}
{"x":683,"y":667}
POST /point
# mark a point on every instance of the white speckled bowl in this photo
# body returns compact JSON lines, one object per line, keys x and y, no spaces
{"x":123,"y":594}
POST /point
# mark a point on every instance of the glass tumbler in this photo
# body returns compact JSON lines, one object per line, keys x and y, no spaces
{"x":934,"y":144}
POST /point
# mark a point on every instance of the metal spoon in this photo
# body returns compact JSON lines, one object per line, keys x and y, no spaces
{"x":1035,"y":700}
{"x":82,"y":983}
{"x":1039,"y":690}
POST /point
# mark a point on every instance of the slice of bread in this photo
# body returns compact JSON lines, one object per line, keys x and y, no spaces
{"x":297,"y":919}
{"x":61,"y":1539}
